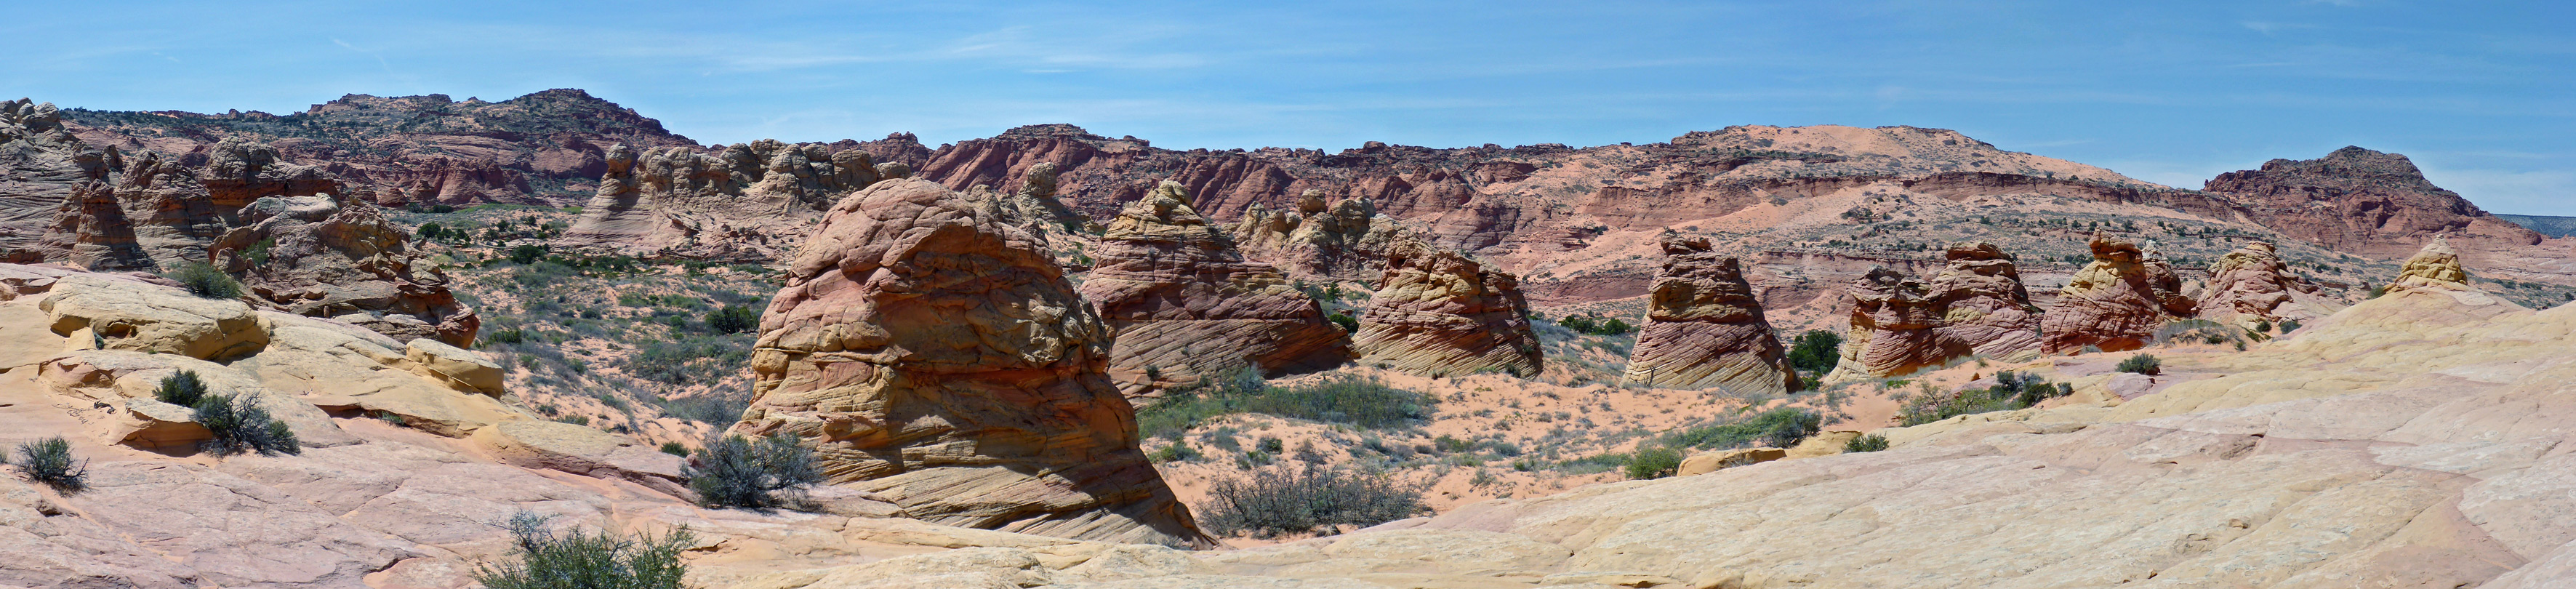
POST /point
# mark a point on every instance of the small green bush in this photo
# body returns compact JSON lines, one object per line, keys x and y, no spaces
{"x":1345,"y":399}
{"x":1866,"y":443}
{"x":184,"y":389}
{"x":2289,"y":325}
{"x":601,"y":560}
{"x":734,"y":319}
{"x":1177,"y":452}
{"x":1778,"y":428}
{"x":733,"y":471}
{"x":2011,"y":391}
{"x":1349,"y":324}
{"x":1654,"y":463}
{"x":675,"y":449}
{"x":1270,"y":503}
{"x":49,"y":461}
{"x":204,"y":280}
{"x":525,"y":254}
{"x":241,"y":425}
{"x":1595,"y":325}
{"x":2146,"y":364}
{"x":1816,"y":352}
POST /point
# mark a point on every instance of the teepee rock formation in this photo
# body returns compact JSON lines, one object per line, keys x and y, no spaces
{"x":936,"y":357}
{"x":1975,"y":306}
{"x":1185,"y":306}
{"x":2115,"y":303}
{"x":2251,"y":287}
{"x":1704,"y":328}
{"x":1439,"y":312}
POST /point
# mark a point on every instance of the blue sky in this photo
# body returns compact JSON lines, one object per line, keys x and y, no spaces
{"x":2481,"y":94}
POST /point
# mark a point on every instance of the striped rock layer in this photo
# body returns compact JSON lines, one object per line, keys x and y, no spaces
{"x":1184,"y":303}
{"x":1704,"y":328}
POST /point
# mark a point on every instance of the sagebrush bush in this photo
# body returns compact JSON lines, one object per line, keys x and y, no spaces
{"x":241,"y":425}
{"x":1778,"y":428}
{"x":184,"y":389}
{"x":1344,"y":399}
{"x":2011,"y":391}
{"x":1275,"y":502}
{"x":577,"y":560}
{"x":1866,"y":443}
{"x":1816,"y":352}
{"x":1654,"y":463}
{"x":204,"y":280}
{"x":733,"y":471}
{"x":49,"y":461}
{"x":734,"y":319}
{"x":2146,"y":364}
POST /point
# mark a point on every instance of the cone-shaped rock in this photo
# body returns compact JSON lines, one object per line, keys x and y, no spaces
{"x":1183,"y":302}
{"x":2252,"y":286}
{"x":1704,"y":328}
{"x":937,"y":357}
{"x":91,"y":231}
{"x":1975,"y":306}
{"x":2436,"y":266}
{"x":1983,"y":303}
{"x":341,"y":258}
{"x":1438,"y":312}
{"x":2114,"y":303}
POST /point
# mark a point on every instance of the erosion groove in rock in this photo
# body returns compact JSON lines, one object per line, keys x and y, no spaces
{"x":937,"y":357}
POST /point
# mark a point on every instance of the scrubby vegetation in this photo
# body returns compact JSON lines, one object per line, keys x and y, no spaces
{"x":733,"y":471}
{"x":1777,"y":428}
{"x":1866,"y":443}
{"x":241,"y":425}
{"x":204,"y":280}
{"x":1816,"y":352}
{"x":184,"y":389}
{"x":1280,"y":501}
{"x":1654,"y":463}
{"x":578,"y":560}
{"x":49,"y":461}
{"x":2146,"y":364}
{"x":1341,"y":398}
{"x":1593,"y":325}
{"x":2011,"y":391}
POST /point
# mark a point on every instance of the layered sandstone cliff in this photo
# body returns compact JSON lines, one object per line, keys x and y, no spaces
{"x":1346,"y":241}
{"x":2115,"y":303}
{"x":1704,"y":328}
{"x":1185,"y":307}
{"x":320,"y":256}
{"x":936,"y":357}
{"x":2365,"y":202}
{"x":1439,"y":312}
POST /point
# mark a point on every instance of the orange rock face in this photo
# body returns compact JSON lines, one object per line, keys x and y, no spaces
{"x":324,"y":257}
{"x":2362,"y":201}
{"x":936,"y":357}
{"x":1185,"y":304}
{"x":1704,"y":328}
{"x":1439,"y":312}
{"x":2116,"y":302}
{"x":1975,"y":306}
{"x":2252,"y":286}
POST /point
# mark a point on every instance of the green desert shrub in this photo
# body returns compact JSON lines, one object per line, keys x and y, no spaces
{"x":241,"y":425}
{"x":675,"y":449}
{"x":49,"y":461}
{"x":2011,"y":391}
{"x":2146,"y":364}
{"x":204,"y":280}
{"x":1778,"y":428}
{"x":1654,"y":463}
{"x":1816,"y":352}
{"x":734,"y":319}
{"x":1866,"y":443}
{"x":1275,"y":502}
{"x":734,"y":471}
{"x":184,"y":389}
{"x":578,"y":560}
{"x":1345,"y":399}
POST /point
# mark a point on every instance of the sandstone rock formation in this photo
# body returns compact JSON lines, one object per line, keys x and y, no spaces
{"x":90,"y":231}
{"x":936,"y":357}
{"x":744,"y":202}
{"x":2251,"y":286}
{"x":2366,"y":202}
{"x":538,"y":148}
{"x":1975,"y":306}
{"x":2435,"y":267}
{"x":1184,"y":306}
{"x":322,"y":257}
{"x":2115,"y":303}
{"x":1704,"y":328}
{"x":1439,"y":313}
{"x":1347,"y":241}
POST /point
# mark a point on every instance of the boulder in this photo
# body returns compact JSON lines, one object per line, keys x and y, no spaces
{"x":350,"y":369}
{"x":2115,"y":303}
{"x":458,"y":367}
{"x":90,"y":231}
{"x":1185,"y":307}
{"x":324,"y":257}
{"x":123,"y":383}
{"x":1439,"y":312}
{"x":143,"y":317}
{"x":1708,"y":462}
{"x":937,"y":357}
{"x":1983,"y":303}
{"x":1704,"y":328}
{"x":2434,"y":267}
{"x":1976,"y":306}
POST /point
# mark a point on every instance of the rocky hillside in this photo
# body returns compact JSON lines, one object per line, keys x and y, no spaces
{"x":2543,"y":224}
{"x":545,"y":147}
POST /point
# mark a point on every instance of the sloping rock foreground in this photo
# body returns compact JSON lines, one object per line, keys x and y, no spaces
{"x":935,"y":355}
